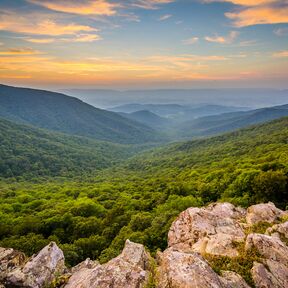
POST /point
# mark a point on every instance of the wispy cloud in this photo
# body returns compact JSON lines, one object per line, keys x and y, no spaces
{"x":190,"y":41}
{"x":243,"y":2}
{"x":164,"y":17}
{"x":186,"y":58}
{"x":34,"y":24}
{"x":19,"y":51}
{"x":149,"y":4}
{"x":86,"y":7}
{"x":223,"y":39}
{"x":40,"y":40}
{"x":84,"y":38}
{"x":254,"y":12}
{"x":281,"y":54}
{"x":259,"y":15}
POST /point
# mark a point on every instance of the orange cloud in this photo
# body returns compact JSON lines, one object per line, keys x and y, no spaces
{"x":88,"y":7}
{"x":259,"y":15}
{"x":255,"y":12}
{"x":13,"y":22}
{"x":243,"y":2}
{"x":221,"y":39}
{"x":40,"y":41}
{"x":19,"y":51}
{"x":281,"y":54}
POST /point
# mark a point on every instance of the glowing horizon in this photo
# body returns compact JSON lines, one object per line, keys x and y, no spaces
{"x":151,"y":43}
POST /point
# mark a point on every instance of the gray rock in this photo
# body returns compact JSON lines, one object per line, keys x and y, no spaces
{"x":40,"y":270}
{"x":263,"y":278}
{"x":279,"y":271}
{"x":129,"y":270}
{"x":231,"y":279}
{"x":9,"y":260}
{"x":268,"y":247}
{"x":263,"y":213}
{"x":185,"y":270}
{"x":212,"y":230}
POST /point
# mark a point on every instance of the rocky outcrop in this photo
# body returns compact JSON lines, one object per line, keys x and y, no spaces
{"x":40,"y":270}
{"x":263,"y":213}
{"x":200,"y":239}
{"x":9,"y":260}
{"x":268,"y":247}
{"x":184,"y":270}
{"x":212,"y":230}
{"x":179,"y":269}
{"x":129,"y":269}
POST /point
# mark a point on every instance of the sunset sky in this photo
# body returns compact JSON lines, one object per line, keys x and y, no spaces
{"x":144,"y":43}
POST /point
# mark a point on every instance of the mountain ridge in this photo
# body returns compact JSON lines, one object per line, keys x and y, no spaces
{"x":67,"y":114}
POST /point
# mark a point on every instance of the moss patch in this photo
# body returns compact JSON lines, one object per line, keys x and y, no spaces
{"x":242,"y":264}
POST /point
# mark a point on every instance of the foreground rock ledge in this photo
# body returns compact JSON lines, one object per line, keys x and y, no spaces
{"x":219,"y":230}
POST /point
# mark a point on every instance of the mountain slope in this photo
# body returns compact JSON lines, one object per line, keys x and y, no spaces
{"x":62,"y":113}
{"x":139,"y":200}
{"x":32,"y":152}
{"x":212,"y":125}
{"x":148,"y":118}
{"x":255,"y":142}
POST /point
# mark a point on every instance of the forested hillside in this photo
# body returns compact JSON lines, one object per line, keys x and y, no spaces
{"x":28,"y":152}
{"x":62,"y":113}
{"x":212,"y":125}
{"x":139,"y":200}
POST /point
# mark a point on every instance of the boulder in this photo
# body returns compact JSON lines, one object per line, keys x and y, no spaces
{"x":213,"y":230}
{"x":9,"y":260}
{"x":231,"y":279}
{"x":40,"y":270}
{"x":268,"y":247}
{"x":129,"y":270}
{"x":263,"y":278}
{"x":185,"y":270}
{"x":279,"y":271}
{"x":266,"y":212}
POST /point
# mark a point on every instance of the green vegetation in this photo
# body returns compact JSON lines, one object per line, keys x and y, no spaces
{"x":242,"y":264}
{"x":92,"y":216}
{"x":29,"y":153}
{"x":61,"y":113}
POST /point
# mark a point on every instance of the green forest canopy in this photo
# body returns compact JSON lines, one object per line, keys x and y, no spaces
{"x":138,"y":199}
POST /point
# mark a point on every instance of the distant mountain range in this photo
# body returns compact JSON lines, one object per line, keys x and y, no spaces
{"x":176,"y":112}
{"x":216,"y":124}
{"x":242,"y":97}
{"x":59,"y":112}
{"x":129,"y":123}
{"x":183,"y":122}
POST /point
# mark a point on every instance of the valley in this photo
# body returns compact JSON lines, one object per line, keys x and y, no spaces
{"x":89,"y":196}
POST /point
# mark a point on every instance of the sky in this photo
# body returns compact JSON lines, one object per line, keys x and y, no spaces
{"x":144,"y":43}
